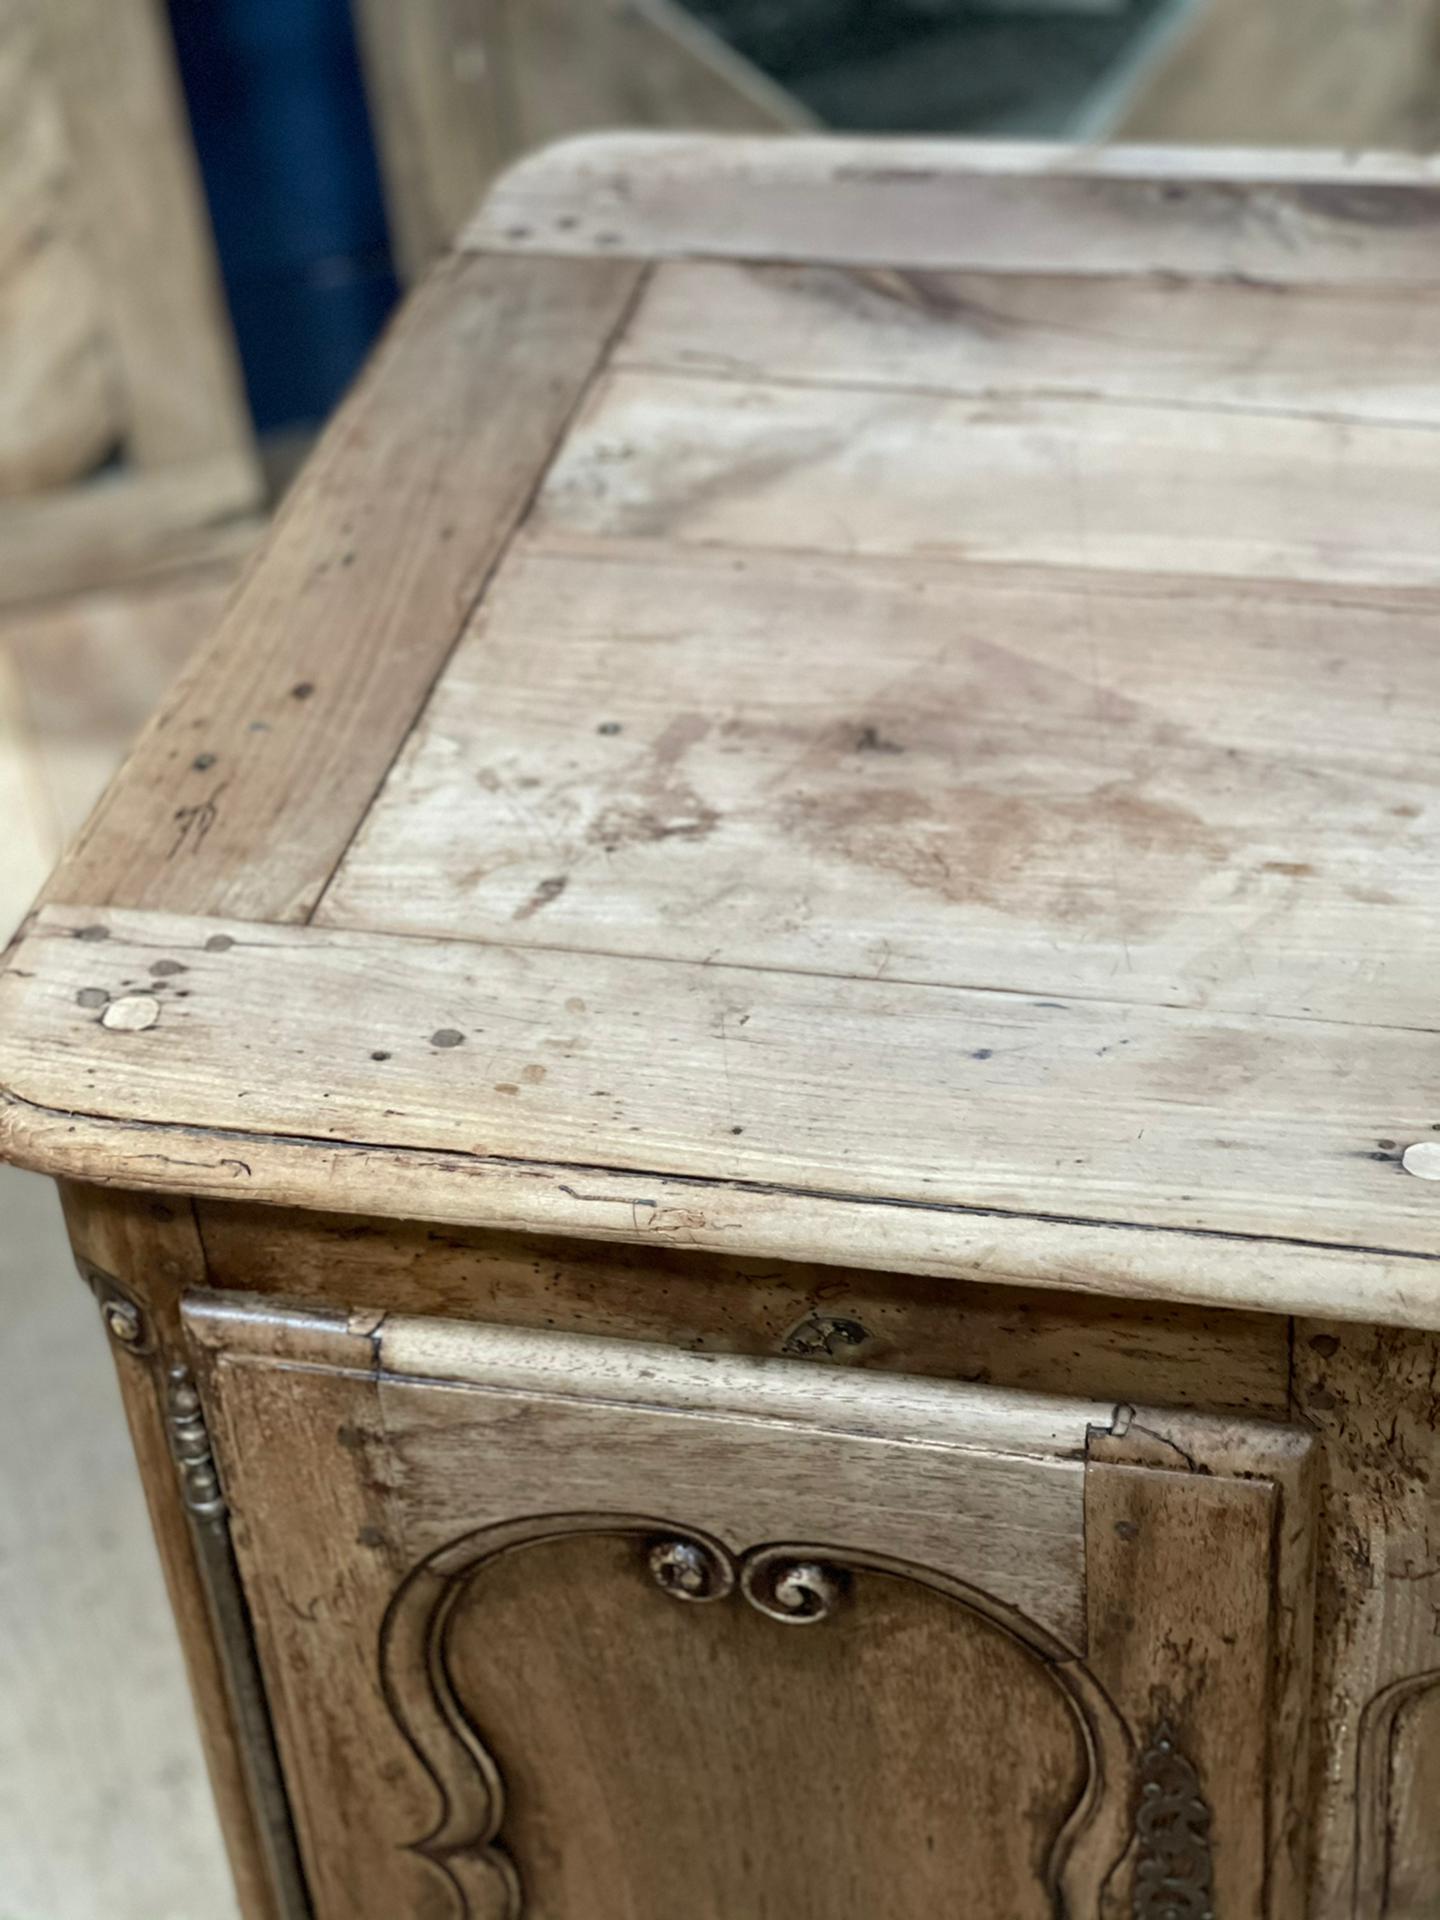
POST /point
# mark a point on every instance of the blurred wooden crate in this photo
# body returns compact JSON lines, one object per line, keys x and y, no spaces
{"x":461,"y":87}
{"x":124,"y":438}
{"x":1331,"y":73}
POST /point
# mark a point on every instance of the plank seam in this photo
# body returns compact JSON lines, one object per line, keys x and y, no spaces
{"x":542,"y":474}
{"x":458,"y":1158}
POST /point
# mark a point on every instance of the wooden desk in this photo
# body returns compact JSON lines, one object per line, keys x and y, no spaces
{"x":749,"y":1074}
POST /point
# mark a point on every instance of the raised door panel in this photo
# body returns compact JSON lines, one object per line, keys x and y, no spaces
{"x":558,"y":1627}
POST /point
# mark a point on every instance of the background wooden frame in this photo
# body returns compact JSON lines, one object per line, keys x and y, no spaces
{"x":184,"y":480}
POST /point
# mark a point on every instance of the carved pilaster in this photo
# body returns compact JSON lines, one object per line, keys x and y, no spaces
{"x":133,"y":1333}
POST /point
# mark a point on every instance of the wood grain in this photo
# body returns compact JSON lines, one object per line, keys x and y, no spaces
{"x":1205,"y":1696}
{"x":929,"y":816}
{"x":1369,"y":1397}
{"x":1052,"y":1343}
{"x":1030,"y":480}
{"x":318,"y":1610}
{"x":1071,"y":786}
{"x":151,"y":1248}
{"x":926,"y":1494}
{"x":1164,"y":1537}
{"x":1230,"y":343}
{"x":871,"y":1768}
{"x":985,"y":206}
{"x":849,"y":1109}
{"x":815,"y":1452}
{"x":252,"y":777}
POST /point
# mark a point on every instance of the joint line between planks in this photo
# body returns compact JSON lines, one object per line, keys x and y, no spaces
{"x":461,"y":1160}
{"x":601,"y":363}
{"x":658,"y":367}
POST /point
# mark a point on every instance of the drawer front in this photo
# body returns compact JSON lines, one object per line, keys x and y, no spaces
{"x":587,"y":1630}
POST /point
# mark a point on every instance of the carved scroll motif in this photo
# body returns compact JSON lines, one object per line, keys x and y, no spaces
{"x":1174,"y":1875}
{"x":797,"y":1593}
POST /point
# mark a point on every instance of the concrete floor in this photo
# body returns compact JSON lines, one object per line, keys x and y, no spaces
{"x":105,"y":1811}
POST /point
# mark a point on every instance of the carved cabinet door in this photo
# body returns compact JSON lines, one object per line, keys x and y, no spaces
{"x":577,"y":1629}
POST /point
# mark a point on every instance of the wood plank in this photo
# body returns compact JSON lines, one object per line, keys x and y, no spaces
{"x":1031,"y":481}
{"x":1053,"y":1343}
{"x":1003,"y":1427}
{"x":1151,"y":1534}
{"x":980,"y":1134}
{"x":1235,"y":344}
{"x":370,"y":1443}
{"x":252,"y":777}
{"x":1066,"y":785}
{"x":318,"y":1607}
{"x":1154,"y":1489}
{"x":993,"y":1483}
{"x":991,"y":206}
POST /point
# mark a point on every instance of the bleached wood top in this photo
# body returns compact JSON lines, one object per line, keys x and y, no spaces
{"x":927,"y":763}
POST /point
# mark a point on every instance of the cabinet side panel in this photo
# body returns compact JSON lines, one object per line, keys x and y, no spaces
{"x":1369,"y":1394}
{"x":150,"y":1248}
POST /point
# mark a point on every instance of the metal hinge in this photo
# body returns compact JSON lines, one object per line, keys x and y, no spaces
{"x":133,"y":1333}
{"x":190,"y":1450}
{"x":204,"y":1501}
{"x":1174,"y":1874}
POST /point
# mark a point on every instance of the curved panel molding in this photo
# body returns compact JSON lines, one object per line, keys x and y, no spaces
{"x":1386,"y":1778}
{"x":1065,"y":1815}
